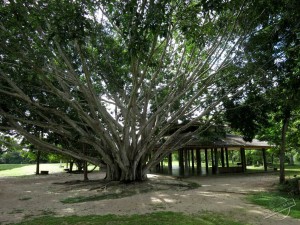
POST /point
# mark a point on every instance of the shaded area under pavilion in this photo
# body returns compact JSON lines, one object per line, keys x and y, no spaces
{"x":215,"y":153}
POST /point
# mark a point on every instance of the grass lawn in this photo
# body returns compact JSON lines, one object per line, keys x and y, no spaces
{"x":257,"y":169}
{"x":289,"y":170}
{"x":159,"y":218}
{"x":8,"y":170}
{"x":271,"y":200}
{"x":11,"y":166}
{"x":292,"y":170}
{"x":267,"y":199}
{"x":14,"y":170}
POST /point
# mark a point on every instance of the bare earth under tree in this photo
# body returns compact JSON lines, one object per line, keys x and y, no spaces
{"x":33,"y":196}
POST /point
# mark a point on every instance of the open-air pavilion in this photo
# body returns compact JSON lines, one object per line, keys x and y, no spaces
{"x":215,"y":154}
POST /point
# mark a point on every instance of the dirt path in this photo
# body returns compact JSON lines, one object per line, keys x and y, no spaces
{"x":41,"y":195}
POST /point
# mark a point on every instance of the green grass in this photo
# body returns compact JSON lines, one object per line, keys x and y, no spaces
{"x":17,"y":170}
{"x":159,"y":218}
{"x":292,"y":170}
{"x":289,"y":170}
{"x":11,"y":166}
{"x":270,"y":199}
{"x":252,"y":168}
{"x":25,"y":198}
{"x":13,"y":170}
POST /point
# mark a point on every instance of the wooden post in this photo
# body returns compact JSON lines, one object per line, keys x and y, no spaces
{"x":158,"y":170}
{"x":170,"y":163}
{"x":198,"y":161}
{"x":186,"y":163}
{"x":226,"y":153}
{"x":206,"y":161}
{"x":212,"y":161}
{"x":216,"y":161}
{"x":265,"y":160}
{"x":193,"y":161}
{"x":181,"y":164}
{"x":189,"y":159}
{"x":243,"y":159}
{"x":222,"y":158}
{"x":241,"y":156}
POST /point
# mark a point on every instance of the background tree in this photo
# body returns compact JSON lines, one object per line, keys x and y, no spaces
{"x":11,"y":149}
{"x":271,"y":56}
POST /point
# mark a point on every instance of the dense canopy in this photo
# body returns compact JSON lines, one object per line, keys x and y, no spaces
{"x":105,"y":81}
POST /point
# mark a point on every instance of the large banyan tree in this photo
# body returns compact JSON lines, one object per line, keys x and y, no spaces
{"x":105,"y":81}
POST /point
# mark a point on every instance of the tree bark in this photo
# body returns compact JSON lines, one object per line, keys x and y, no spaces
{"x":85,"y":171}
{"x":38,"y":156}
{"x":131,"y":174}
{"x":282,"y":147}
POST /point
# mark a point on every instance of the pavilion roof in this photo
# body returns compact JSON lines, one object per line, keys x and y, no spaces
{"x":230,"y":141}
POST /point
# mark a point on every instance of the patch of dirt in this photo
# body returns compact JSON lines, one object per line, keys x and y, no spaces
{"x":27,"y":197}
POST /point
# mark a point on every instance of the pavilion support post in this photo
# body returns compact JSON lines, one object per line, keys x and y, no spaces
{"x":198,"y":161}
{"x":212,"y":161}
{"x":71,"y":166}
{"x":226,"y":153}
{"x":186,"y":163}
{"x":189,"y":160}
{"x":265,"y":160}
{"x":243,"y":159}
{"x":206,"y":161}
{"x":241,"y":155}
{"x":170,"y":163}
{"x":216,"y":161}
{"x":222,"y":157}
{"x":162,"y":166}
{"x":193,"y":161}
{"x":157,"y":168}
{"x":181,"y":164}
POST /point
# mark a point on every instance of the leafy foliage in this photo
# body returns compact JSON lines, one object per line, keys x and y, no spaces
{"x":105,"y":81}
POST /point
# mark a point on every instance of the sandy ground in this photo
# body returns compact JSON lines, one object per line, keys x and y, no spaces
{"x":26,"y":197}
